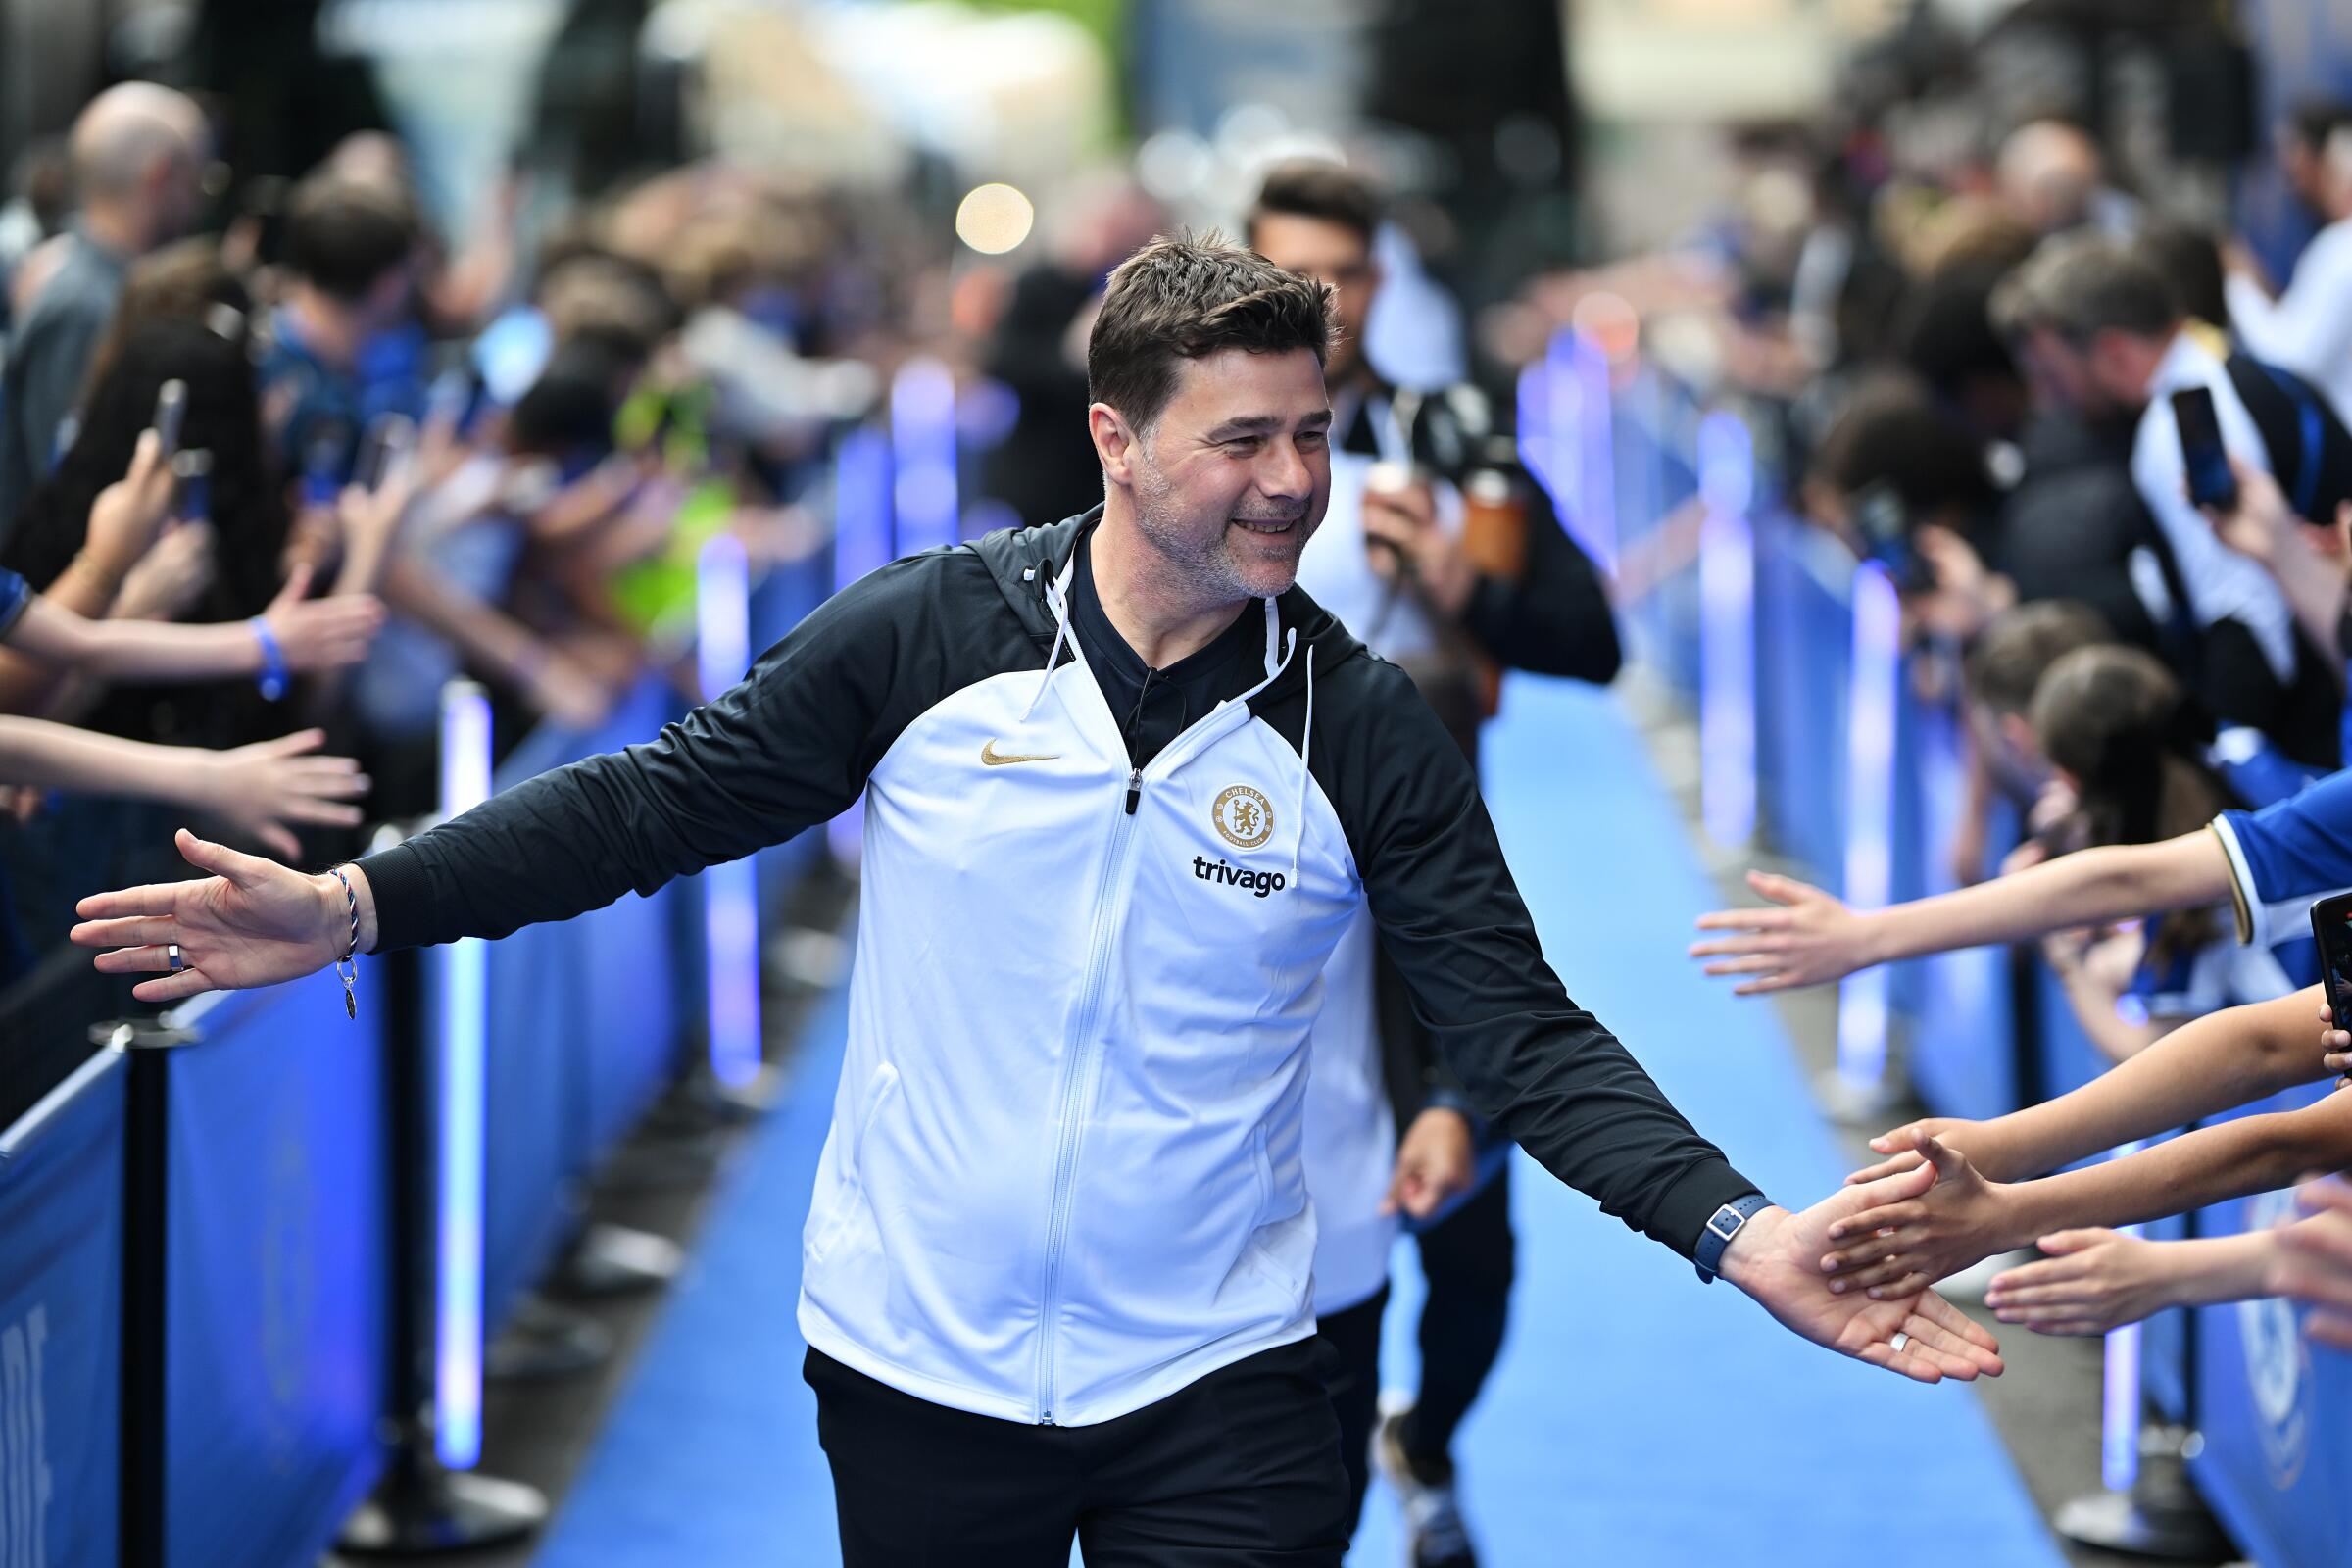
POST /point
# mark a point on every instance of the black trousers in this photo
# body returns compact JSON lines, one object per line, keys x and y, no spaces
{"x":1469,"y":1260}
{"x":1239,"y":1470}
{"x":1353,"y":1336}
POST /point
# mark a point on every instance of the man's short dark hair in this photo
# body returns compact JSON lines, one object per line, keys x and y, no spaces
{"x":1187,"y":297}
{"x":1317,"y":188}
{"x":2006,"y":661}
{"x":343,"y":237}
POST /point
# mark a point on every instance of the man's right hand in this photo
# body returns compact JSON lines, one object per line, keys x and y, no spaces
{"x":253,"y":922}
{"x":1809,"y":940}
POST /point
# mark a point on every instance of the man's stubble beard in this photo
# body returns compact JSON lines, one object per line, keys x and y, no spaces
{"x":1201,"y":570}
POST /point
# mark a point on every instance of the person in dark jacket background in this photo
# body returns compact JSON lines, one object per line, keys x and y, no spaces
{"x":1397,"y":560}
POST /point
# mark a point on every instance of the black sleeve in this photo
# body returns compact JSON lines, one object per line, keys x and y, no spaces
{"x":1556,"y":619}
{"x":789,"y":747}
{"x":1450,"y":919}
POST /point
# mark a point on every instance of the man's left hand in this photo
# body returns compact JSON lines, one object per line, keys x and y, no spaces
{"x":1776,"y":1259}
{"x":1436,"y":1161}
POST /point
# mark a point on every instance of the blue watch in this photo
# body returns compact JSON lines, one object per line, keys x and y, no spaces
{"x":1722,"y":1226}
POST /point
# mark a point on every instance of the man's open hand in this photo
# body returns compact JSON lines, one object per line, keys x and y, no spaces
{"x":1776,"y":1258}
{"x":253,"y":922}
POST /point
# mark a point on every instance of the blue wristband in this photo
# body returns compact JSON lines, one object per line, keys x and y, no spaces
{"x":1722,"y":1225}
{"x":272,"y":678}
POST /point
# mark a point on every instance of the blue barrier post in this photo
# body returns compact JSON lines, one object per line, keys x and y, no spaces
{"x":922,"y":447}
{"x":465,"y":1016}
{"x":1874,"y":694}
{"x":1726,"y":630}
{"x":861,"y":543}
{"x":730,"y":892}
{"x":1566,"y":441}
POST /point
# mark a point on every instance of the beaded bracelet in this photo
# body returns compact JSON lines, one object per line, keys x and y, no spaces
{"x":347,"y":968}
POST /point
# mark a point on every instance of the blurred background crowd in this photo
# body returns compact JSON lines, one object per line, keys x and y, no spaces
{"x":487,"y":315}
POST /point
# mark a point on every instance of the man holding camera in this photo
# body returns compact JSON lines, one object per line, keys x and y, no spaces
{"x":1448,"y":562}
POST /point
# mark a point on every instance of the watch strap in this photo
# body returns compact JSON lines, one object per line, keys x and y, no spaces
{"x":1722,"y":1225}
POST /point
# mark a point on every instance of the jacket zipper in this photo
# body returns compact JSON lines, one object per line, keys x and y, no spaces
{"x":1077,"y":1068}
{"x":1075,"y":1074}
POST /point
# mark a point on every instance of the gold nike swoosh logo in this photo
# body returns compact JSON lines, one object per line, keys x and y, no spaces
{"x":995,"y":759}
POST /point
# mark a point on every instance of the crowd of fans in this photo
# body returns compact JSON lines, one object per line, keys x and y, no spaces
{"x":391,"y":457}
{"x":2105,"y":460}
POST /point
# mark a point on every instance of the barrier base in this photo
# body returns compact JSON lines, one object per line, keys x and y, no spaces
{"x":664,"y":1160}
{"x":424,"y":1514}
{"x":615,"y":1260}
{"x":542,"y":1339}
{"x":2161,"y":1516}
{"x":702,"y":1096}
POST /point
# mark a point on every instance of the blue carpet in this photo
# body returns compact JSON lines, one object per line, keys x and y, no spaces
{"x":1637,"y":1417}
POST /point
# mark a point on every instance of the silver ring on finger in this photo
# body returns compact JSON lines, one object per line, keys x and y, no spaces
{"x":1900,"y":1341}
{"x":173,"y":958}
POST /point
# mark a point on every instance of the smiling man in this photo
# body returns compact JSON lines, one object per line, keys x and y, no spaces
{"x":1057,"y":1269}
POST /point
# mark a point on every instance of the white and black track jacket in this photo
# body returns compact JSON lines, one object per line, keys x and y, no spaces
{"x":1063,"y":1178}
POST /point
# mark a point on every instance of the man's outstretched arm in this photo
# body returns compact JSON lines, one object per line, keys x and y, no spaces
{"x":788,"y":747}
{"x":1553,"y":1078}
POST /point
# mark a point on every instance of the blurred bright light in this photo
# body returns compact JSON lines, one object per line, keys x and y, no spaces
{"x":994,"y":219}
{"x":1173,"y":164}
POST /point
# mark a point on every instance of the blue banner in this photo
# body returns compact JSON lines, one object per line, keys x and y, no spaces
{"x":277,"y":1274}
{"x":630,"y":953}
{"x":61,"y":1323}
{"x":535,"y":1109}
{"x":2275,"y":1410}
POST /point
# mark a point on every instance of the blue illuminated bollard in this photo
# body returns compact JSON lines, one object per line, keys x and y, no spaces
{"x":862,"y":484}
{"x":1572,"y":448}
{"x":730,"y":892}
{"x":1874,"y":690}
{"x":465,"y":1021}
{"x":1726,"y":633}
{"x":862,"y":505}
{"x":922,"y":448}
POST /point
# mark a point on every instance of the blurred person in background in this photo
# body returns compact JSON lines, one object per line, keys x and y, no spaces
{"x":137,"y":152}
{"x":2128,"y":752}
{"x":2307,"y":559}
{"x":2101,"y":329}
{"x":2052,"y":175}
{"x":350,"y":251}
{"x":186,"y":280}
{"x":47,"y":637}
{"x":1394,"y":559}
{"x":1038,"y":348}
{"x":34,"y":206}
{"x":2308,"y":327}
{"x":220,"y":559}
